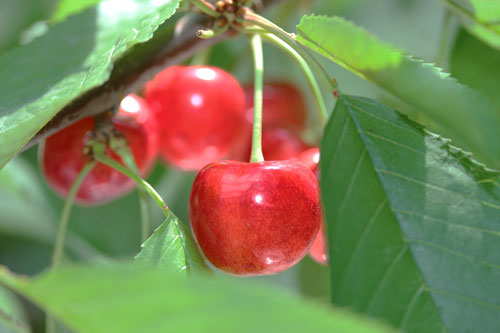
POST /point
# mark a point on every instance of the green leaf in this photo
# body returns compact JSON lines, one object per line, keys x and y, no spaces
{"x":413,"y":223}
{"x":476,"y":65}
{"x":92,"y":299}
{"x":480,"y":17}
{"x":12,"y":316}
{"x":469,"y":116}
{"x":39,"y":79}
{"x":25,"y":211}
{"x":66,"y":8}
{"x":173,"y":248}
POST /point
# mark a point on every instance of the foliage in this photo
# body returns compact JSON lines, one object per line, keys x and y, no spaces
{"x":413,"y":219}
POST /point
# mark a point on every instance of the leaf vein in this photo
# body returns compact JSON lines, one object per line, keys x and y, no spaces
{"x":416,"y":181}
{"x":453,"y":252}
{"x":385,"y":276}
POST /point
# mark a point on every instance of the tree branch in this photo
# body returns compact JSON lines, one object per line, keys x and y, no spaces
{"x":170,"y":45}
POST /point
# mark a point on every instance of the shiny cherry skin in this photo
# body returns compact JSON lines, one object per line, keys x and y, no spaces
{"x":319,"y":249}
{"x":201,"y":111}
{"x":255,"y":218}
{"x":283,"y":106}
{"x":62,"y":158}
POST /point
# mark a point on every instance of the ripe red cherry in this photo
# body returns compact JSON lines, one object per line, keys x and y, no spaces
{"x":201,"y":111}
{"x":283,"y":106}
{"x":255,"y":218}
{"x":319,"y":249}
{"x":62,"y":158}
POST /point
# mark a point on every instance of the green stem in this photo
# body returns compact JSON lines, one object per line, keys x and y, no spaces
{"x":66,"y":211}
{"x":205,"y":7}
{"x":272,"y":28}
{"x":256,"y":155}
{"x":144,"y":185}
{"x":145,"y":220}
{"x":63,"y":226}
{"x":126,"y":155}
{"x":201,"y":57}
{"x":313,"y":84}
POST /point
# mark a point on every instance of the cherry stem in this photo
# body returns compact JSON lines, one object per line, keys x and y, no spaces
{"x":201,"y":58}
{"x":256,"y":155}
{"x":205,"y":7}
{"x":63,"y":226}
{"x":144,"y":185}
{"x":306,"y":69}
{"x":270,"y":27}
{"x":66,"y":211}
{"x":126,"y":155}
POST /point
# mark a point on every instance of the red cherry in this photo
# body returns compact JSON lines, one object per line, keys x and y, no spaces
{"x":62,"y":155}
{"x":277,"y":144}
{"x":283,"y":106}
{"x":319,"y":249}
{"x":255,"y":218}
{"x":201,"y":111}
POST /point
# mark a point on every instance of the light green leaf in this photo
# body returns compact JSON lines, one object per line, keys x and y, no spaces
{"x":92,"y":299}
{"x":173,"y":248}
{"x":39,"y":79}
{"x":480,"y":17}
{"x":476,"y":65}
{"x":469,"y":116}
{"x":413,"y":223}
{"x":67,"y":8}
{"x":12,"y":316}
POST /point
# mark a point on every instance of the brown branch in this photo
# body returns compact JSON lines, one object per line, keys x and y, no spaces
{"x":138,"y":66}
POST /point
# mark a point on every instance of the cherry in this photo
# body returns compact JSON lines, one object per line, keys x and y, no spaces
{"x":281,"y":144}
{"x":319,"y":249}
{"x":283,"y":106}
{"x":277,"y":144}
{"x":62,"y":157}
{"x":255,"y":218}
{"x":201,"y":111}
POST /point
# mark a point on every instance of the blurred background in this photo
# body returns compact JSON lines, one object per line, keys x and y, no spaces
{"x":29,"y":210}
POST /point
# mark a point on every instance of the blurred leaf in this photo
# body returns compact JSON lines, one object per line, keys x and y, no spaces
{"x":25,"y":211}
{"x":480,"y":17}
{"x":12,"y":316}
{"x":36,"y":84}
{"x":476,"y":65}
{"x":15,"y":16}
{"x":418,"y":84}
{"x":67,"y":8}
{"x":91,"y":299}
{"x":413,"y":223}
{"x":173,"y":248}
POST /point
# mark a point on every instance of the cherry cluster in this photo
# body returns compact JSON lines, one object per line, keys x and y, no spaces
{"x":247,"y":218}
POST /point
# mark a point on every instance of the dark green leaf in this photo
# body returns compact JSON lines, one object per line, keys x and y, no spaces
{"x":476,"y":65}
{"x":90,"y":299}
{"x":39,"y":79}
{"x":466,"y":114}
{"x":413,"y":223}
{"x":173,"y":248}
{"x":480,"y":17}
